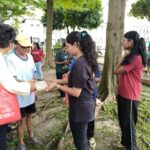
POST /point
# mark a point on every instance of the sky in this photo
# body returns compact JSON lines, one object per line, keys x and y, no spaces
{"x":130,"y":22}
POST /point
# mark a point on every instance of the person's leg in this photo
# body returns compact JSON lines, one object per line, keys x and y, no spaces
{"x":90,"y":134}
{"x":127,"y":113}
{"x":131,"y":143}
{"x":90,"y":129}
{"x":20,"y":130}
{"x":121,"y":115}
{"x":29,"y":125}
{"x":30,"y":110}
{"x":79,"y":133}
{"x":39,"y":70}
{"x":3,"y":135}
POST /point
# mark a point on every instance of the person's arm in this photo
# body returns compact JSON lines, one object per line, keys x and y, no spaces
{"x":59,"y":62}
{"x":59,"y":81}
{"x":13,"y":86}
{"x":65,"y":62}
{"x":119,"y":70}
{"x":71,"y":91}
{"x":42,"y":53}
{"x":127,"y":68}
{"x":9,"y":83}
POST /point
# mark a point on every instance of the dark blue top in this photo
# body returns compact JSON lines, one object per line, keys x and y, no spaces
{"x":98,"y":75}
{"x":81,"y":109}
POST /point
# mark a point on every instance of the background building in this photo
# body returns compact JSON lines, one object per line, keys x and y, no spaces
{"x":35,"y":29}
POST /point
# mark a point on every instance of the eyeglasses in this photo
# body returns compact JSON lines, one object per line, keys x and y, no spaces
{"x":125,"y":40}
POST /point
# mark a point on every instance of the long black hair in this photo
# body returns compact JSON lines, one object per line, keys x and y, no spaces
{"x":87,"y":46}
{"x":37,"y":45}
{"x":7,"y":35}
{"x":139,"y":47}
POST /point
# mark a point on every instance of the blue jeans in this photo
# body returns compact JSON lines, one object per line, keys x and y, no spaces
{"x":39,"y":70}
{"x":79,"y":133}
{"x":3,"y":134}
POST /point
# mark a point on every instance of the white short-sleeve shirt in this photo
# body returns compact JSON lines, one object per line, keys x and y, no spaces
{"x":22,"y":70}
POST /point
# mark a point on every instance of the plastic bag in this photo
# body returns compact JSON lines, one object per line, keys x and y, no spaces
{"x":9,"y":107}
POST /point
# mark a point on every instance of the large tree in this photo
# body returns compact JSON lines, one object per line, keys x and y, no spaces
{"x":67,"y":5}
{"x":49,"y":61}
{"x":88,"y":15}
{"x":114,"y":34}
{"x":141,"y":9}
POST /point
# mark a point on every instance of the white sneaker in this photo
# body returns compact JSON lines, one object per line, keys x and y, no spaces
{"x":98,"y":102}
{"x":92,"y":143}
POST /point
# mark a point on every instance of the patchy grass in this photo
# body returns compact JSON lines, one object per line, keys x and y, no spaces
{"x":107,"y":132}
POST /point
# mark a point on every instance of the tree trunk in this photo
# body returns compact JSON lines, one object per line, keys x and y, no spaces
{"x":49,"y":55}
{"x":114,"y":34}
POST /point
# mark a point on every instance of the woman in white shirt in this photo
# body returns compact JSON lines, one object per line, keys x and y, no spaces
{"x":7,"y":36}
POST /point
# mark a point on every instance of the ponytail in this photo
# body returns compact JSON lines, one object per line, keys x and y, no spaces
{"x":139,"y":48}
{"x":87,"y":46}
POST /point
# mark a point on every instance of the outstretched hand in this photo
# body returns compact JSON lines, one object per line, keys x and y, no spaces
{"x":51,"y":86}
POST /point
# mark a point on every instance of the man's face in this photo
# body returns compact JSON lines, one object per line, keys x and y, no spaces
{"x":22,"y":50}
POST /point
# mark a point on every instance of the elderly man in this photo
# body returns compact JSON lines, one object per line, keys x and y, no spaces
{"x":22,"y":66}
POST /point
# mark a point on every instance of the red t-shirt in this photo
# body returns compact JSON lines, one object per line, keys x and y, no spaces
{"x":38,"y":55}
{"x":130,"y":81}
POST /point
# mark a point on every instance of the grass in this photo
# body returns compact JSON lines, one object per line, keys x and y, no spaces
{"x":143,"y":126}
{"x":106,"y":136}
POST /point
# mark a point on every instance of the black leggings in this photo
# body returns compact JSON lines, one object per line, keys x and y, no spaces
{"x":79,"y":133}
{"x":90,"y":129}
{"x":127,"y":114}
{"x":3,"y":134}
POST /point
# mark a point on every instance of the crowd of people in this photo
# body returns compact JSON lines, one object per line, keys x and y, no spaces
{"x":77,"y":58}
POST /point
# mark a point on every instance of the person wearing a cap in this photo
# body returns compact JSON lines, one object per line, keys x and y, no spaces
{"x":7,"y":81}
{"x":129,"y":70}
{"x":22,"y":67}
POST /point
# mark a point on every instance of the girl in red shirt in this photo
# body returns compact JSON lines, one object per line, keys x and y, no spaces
{"x":38,"y":56}
{"x":129,"y":87}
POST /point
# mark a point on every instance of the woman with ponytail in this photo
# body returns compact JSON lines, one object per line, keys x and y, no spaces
{"x":129,"y":86}
{"x":81,"y":84}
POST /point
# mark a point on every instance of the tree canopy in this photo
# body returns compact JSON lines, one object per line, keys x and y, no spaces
{"x":77,"y":14}
{"x":141,"y":9}
{"x":14,"y":8}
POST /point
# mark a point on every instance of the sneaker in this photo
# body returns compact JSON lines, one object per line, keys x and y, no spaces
{"x":98,"y":102}
{"x":21,"y":147}
{"x":92,"y":143}
{"x":63,"y":99}
{"x":35,"y":141}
